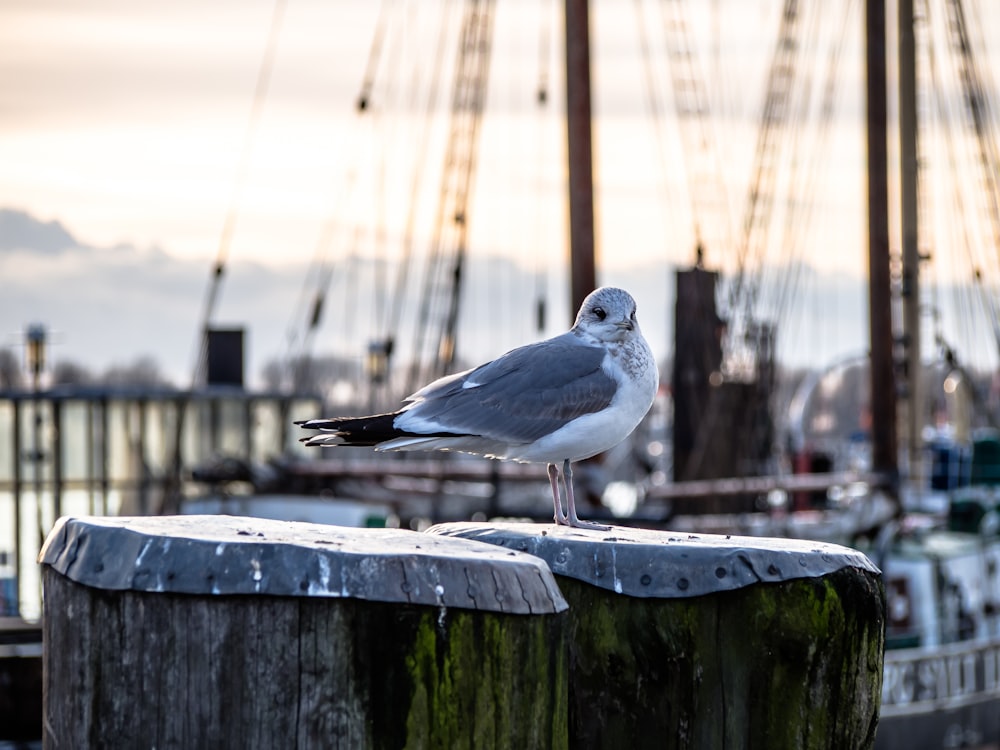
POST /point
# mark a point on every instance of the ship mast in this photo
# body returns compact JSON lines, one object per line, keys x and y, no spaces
{"x":883,"y":381}
{"x":910,"y":387}
{"x":583,"y":276}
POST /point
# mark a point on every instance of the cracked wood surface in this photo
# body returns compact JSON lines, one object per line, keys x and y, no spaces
{"x":224,"y":632}
{"x":219,"y":555}
{"x":663,"y":564}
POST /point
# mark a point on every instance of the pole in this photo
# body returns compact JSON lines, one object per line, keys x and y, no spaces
{"x":909,"y":177}
{"x":583,"y":277}
{"x":883,"y":382}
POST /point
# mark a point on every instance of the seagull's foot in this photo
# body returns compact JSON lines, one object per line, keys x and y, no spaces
{"x":571,"y":518}
{"x":576,"y":523}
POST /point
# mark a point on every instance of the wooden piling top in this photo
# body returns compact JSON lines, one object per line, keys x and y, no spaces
{"x":664,"y":564}
{"x":222,"y":555}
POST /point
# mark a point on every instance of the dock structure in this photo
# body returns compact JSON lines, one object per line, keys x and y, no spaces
{"x":20,"y":681}
{"x":195,"y":631}
{"x":213,"y":631}
{"x":708,"y":641}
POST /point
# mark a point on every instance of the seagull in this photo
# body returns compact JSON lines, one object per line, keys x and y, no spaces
{"x":555,"y":401}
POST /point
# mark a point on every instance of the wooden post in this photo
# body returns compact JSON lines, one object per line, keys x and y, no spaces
{"x":212,"y":631}
{"x":703,"y":641}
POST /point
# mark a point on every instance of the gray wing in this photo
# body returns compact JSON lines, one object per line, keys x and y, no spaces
{"x":520,"y":397}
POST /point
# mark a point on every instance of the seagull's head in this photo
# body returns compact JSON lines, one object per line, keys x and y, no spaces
{"x":608,"y":314}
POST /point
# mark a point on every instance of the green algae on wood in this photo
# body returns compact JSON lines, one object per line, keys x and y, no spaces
{"x":781,"y":647}
{"x":796,"y":664}
{"x":487,"y":683}
{"x":155,"y":635}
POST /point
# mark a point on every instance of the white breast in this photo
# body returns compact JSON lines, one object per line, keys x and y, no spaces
{"x":633,"y":368}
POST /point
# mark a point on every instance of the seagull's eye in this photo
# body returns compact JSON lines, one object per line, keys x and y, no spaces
{"x":599,"y":312}
{"x":632,"y":315}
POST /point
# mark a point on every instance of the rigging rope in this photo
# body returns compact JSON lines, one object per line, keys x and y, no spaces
{"x":655,"y":107}
{"x":307,"y":316}
{"x":700,"y":153}
{"x":383,"y":134}
{"x":801,"y":208}
{"x":774,"y":115}
{"x":374,"y":57}
{"x":398,"y":298}
{"x":229,"y":225}
{"x":978,"y":108}
{"x":541,"y":102}
{"x":976,"y":101}
{"x":442,"y":285}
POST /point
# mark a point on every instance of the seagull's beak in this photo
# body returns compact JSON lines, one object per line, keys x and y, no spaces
{"x":625,"y":325}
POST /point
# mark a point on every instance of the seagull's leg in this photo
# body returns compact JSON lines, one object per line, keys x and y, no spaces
{"x":571,"y":502}
{"x":559,"y":516}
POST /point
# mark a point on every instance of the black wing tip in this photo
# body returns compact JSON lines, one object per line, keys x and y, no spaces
{"x":358,"y":431}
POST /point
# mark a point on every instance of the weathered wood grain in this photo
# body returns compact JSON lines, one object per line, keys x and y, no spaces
{"x":788,"y":665}
{"x":666,"y":564}
{"x":137,"y":669}
{"x":137,"y":666}
{"x":230,"y":555}
{"x":751,"y":643}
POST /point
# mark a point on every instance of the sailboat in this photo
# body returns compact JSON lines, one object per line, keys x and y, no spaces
{"x":941,"y":682}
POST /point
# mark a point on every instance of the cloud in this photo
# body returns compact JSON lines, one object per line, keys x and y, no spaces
{"x":110,"y":306}
{"x":19,"y":231}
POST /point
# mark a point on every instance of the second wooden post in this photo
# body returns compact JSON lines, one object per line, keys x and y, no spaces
{"x":699,"y":641}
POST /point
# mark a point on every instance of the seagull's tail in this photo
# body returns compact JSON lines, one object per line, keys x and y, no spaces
{"x":353,"y":430}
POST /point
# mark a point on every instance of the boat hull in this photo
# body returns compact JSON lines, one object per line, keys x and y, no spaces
{"x":941,"y":698}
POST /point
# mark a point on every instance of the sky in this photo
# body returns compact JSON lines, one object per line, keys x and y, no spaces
{"x":128,"y":121}
{"x":136,"y":126}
